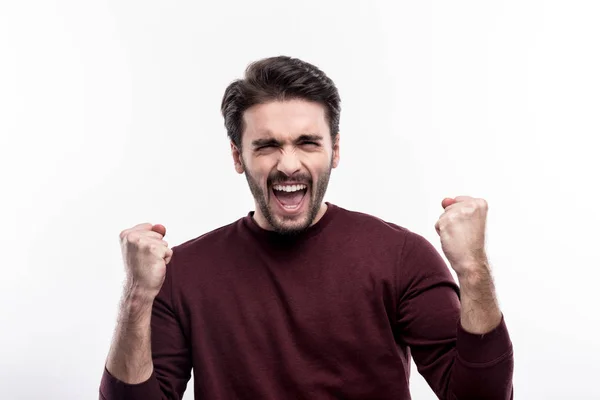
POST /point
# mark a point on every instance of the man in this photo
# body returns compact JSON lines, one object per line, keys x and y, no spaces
{"x":302,"y":299}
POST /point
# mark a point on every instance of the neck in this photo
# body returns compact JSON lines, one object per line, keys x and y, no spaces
{"x":264,"y":224}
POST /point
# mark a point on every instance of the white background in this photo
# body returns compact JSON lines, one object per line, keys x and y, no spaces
{"x":109,"y":115}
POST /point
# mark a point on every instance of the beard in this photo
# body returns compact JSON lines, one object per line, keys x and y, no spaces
{"x":316,"y":194}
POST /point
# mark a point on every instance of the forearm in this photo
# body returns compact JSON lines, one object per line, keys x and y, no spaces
{"x":479,"y":364}
{"x":479,"y":310}
{"x":485,"y":366}
{"x":130,"y":355}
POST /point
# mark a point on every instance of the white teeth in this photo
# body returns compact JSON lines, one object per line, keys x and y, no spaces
{"x":289,"y":188}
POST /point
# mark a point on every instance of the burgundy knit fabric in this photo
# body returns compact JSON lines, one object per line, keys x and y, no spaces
{"x":336,"y":312}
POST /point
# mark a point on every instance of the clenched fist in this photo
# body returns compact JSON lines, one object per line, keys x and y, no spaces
{"x":146,"y":256}
{"x":462,"y":232}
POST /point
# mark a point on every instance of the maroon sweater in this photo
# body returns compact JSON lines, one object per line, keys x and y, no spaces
{"x":335,"y":313}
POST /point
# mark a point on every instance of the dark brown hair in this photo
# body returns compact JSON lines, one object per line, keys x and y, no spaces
{"x":278,"y":79}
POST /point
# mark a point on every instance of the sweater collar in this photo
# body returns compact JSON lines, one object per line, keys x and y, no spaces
{"x":249,"y":222}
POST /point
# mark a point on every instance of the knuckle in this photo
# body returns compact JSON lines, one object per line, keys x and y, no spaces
{"x":483,"y":204}
{"x":134,"y":240}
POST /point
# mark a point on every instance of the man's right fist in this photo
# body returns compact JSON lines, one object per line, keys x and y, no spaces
{"x":146,"y":256}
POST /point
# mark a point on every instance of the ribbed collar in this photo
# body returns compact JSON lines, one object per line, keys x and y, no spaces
{"x":276,"y":238}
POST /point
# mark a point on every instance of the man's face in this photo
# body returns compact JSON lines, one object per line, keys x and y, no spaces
{"x":287,"y":157}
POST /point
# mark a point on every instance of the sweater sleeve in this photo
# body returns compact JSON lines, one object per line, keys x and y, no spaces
{"x":455,"y":363}
{"x":170,"y":355}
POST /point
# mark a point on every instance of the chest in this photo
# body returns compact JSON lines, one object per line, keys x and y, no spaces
{"x":263,"y":295}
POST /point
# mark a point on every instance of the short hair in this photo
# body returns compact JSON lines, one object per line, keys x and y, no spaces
{"x":278,"y":79}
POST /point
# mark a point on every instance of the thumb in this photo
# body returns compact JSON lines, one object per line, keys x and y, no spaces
{"x":448,"y":201}
{"x":158,"y":228}
{"x":168,"y":256}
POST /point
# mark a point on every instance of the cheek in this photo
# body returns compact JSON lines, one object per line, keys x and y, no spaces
{"x":261,"y":169}
{"x":319,"y":164}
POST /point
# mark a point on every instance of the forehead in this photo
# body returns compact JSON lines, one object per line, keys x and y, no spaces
{"x":284,"y":120}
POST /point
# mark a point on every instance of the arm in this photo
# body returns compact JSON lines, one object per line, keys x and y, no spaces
{"x":149,"y":357}
{"x":479,"y":310}
{"x":457,"y":363}
{"x":462,"y":233}
{"x":130,"y":356}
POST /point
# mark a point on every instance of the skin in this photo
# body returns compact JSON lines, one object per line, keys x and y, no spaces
{"x":290,"y":157}
{"x":287,"y":157}
{"x":462,"y":234}
{"x":145,"y":256}
{"x":285,"y":142}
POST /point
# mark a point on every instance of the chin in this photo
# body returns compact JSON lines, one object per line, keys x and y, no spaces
{"x":290,"y":225}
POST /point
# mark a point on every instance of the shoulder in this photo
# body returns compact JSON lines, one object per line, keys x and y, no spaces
{"x":198,"y":258}
{"x":207,"y":242}
{"x":367,"y":225}
{"x":416,"y":256}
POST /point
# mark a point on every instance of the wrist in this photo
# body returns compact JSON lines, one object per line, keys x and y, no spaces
{"x":137,"y":294}
{"x":476,"y":282}
{"x":473,"y":271}
{"x":136,"y":305}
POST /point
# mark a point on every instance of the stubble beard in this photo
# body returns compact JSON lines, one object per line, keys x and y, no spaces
{"x":314,"y":205}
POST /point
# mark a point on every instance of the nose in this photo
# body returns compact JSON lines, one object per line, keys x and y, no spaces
{"x":289,"y":163}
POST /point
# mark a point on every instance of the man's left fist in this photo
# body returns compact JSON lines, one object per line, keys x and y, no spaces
{"x":462,"y":232}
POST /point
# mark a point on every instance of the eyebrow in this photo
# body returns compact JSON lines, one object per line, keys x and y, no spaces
{"x":272,"y":141}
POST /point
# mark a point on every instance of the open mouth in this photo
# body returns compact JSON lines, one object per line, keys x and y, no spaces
{"x":290,"y":197}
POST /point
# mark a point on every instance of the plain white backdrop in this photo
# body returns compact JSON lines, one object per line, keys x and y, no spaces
{"x":109,"y":116}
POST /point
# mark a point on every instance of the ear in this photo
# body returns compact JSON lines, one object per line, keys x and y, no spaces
{"x":237,"y":158}
{"x":336,"y":151}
